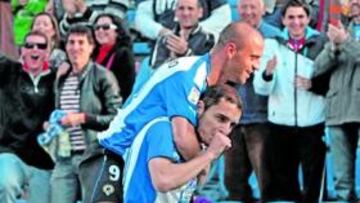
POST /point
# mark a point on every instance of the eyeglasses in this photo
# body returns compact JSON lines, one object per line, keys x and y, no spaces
{"x":105,"y":27}
{"x":29,"y":45}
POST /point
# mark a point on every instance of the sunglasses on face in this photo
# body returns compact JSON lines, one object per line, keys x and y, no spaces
{"x":105,"y":26}
{"x":29,"y":45}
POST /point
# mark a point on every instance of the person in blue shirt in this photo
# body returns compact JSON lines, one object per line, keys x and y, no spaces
{"x":175,"y":87}
{"x":154,"y":169}
{"x":248,"y":153}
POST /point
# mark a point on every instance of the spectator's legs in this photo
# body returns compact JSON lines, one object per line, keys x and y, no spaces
{"x":13,"y":177}
{"x":64,"y":180}
{"x":255,"y":138}
{"x":283,"y":165}
{"x":312,"y":151}
{"x":39,"y":186}
{"x":343,"y":144}
{"x":238,"y":168}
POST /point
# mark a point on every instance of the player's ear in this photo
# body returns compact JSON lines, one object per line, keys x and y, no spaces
{"x":200,"y":108}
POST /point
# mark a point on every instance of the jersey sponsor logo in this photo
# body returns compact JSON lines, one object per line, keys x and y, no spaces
{"x":172,"y":63}
{"x":108,"y":189}
{"x":194,"y":95}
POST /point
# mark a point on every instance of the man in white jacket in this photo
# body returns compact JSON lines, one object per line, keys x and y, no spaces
{"x":296,"y":114}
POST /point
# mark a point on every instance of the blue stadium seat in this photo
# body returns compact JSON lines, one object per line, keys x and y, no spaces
{"x":233,"y":3}
{"x":130,"y":16}
{"x":141,"y":48}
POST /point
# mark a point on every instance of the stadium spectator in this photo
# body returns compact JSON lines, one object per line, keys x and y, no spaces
{"x":47,"y":24}
{"x":89,"y":95}
{"x":114,"y":51}
{"x":85,"y":11}
{"x":26,"y":98}
{"x":186,"y":39}
{"x":156,"y":18}
{"x":249,"y":146}
{"x":274,"y":9}
{"x":296,"y":115}
{"x":340,"y":59}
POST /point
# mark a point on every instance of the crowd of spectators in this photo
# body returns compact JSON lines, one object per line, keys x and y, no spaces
{"x":77,"y":56}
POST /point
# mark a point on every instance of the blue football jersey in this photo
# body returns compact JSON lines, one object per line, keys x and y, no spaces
{"x":173,"y":90}
{"x":155,"y":140}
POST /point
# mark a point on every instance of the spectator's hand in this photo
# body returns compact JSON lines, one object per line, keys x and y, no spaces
{"x":80,"y":6}
{"x":50,"y":7}
{"x":302,"y":83}
{"x":23,"y":2}
{"x":337,"y":35}
{"x":176,"y":44}
{"x":69,"y":7}
{"x":218,"y":145}
{"x":164,"y":32}
{"x":63,"y":68}
{"x":271,"y":65}
{"x":46,"y":125}
{"x":73,"y":119}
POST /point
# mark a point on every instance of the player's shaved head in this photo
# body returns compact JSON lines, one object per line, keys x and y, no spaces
{"x":241,"y":34}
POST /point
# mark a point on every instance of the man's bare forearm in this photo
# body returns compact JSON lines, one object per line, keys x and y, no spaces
{"x":167,"y":175}
{"x":185,"y":137}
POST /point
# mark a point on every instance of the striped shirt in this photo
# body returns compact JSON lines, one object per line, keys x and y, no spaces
{"x":70,"y":103}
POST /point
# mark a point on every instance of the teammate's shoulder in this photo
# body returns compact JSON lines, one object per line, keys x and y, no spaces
{"x":183,"y":63}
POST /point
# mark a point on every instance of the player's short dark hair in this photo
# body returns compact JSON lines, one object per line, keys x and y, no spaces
{"x":213,"y":94}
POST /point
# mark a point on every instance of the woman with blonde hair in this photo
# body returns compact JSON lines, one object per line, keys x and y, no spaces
{"x":47,"y":24}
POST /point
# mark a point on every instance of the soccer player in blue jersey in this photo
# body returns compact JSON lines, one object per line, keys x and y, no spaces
{"x":156,"y":172}
{"x":175,"y":87}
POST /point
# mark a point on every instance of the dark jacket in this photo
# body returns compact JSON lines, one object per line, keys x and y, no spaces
{"x":24,"y":107}
{"x":166,"y":17}
{"x":199,"y":43}
{"x":99,"y":98}
{"x":343,"y":97}
{"x":122,"y":66}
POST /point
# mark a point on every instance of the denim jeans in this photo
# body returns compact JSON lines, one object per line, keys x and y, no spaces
{"x":79,"y":177}
{"x":16,"y":176}
{"x":343,"y":143}
{"x":65,"y":185}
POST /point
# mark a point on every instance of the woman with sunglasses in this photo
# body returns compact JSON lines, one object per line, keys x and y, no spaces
{"x":47,"y":24}
{"x":113,"y":50}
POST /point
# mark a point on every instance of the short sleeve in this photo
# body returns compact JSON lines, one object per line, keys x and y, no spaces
{"x":160,"y":142}
{"x":181,"y":96}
